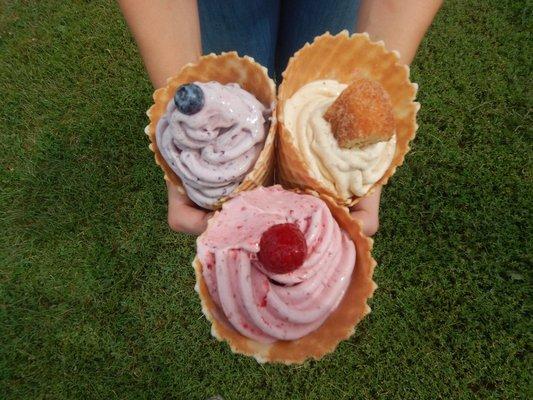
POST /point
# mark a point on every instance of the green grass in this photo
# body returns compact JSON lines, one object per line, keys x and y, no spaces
{"x":96,"y":294}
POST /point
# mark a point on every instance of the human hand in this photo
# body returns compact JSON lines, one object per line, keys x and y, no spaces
{"x":367,"y":211}
{"x":183,"y":215}
{"x":401,"y":24}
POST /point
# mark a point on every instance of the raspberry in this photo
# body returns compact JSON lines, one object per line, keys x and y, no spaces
{"x":282,"y":248}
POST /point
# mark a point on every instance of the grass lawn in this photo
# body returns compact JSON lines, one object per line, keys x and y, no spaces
{"x":96,"y":294}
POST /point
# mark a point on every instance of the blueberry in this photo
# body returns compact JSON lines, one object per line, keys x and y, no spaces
{"x":189,"y":99}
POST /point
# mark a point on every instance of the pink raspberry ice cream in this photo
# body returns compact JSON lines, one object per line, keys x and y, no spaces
{"x":263,"y":305}
{"x":216,"y":143}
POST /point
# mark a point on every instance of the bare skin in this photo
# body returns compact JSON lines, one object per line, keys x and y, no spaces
{"x":401,"y":24}
{"x":164,"y":52}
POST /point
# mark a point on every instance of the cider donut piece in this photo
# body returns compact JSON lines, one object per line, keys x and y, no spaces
{"x":361,"y":115}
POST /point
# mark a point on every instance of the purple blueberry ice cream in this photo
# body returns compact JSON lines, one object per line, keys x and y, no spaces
{"x":211,"y":136}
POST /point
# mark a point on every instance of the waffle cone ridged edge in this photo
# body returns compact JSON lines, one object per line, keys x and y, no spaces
{"x":224,"y":68}
{"x":342,"y":57}
{"x":339,"y":326}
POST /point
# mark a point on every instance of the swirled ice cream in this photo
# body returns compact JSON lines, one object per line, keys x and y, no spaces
{"x":346,"y":171}
{"x":260,"y":304}
{"x":212,"y":139}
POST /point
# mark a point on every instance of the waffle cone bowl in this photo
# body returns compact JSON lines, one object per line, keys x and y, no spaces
{"x":343,"y":58}
{"x":340,"y":325}
{"x":224,"y":68}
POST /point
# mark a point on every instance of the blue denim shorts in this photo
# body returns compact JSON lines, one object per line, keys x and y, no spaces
{"x":271,"y":30}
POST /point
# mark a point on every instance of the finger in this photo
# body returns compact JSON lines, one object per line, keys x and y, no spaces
{"x":370,"y":203}
{"x":367,"y":212}
{"x":183,"y":215}
{"x":369,"y":221}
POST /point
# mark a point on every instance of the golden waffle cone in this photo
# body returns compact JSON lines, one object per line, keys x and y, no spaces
{"x":343,"y":57}
{"x":339,"y":326}
{"x":224,"y":68}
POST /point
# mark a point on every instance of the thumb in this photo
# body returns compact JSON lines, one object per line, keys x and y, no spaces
{"x":370,"y":221}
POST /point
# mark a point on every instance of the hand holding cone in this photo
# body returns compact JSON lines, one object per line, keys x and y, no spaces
{"x":373,"y":107}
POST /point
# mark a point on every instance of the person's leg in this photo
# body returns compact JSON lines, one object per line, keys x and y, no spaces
{"x":248,"y":26}
{"x":302,"y":20}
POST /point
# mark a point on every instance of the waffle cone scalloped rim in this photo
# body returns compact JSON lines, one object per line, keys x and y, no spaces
{"x":339,"y":326}
{"x":342,"y":57}
{"x":224,"y":68}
